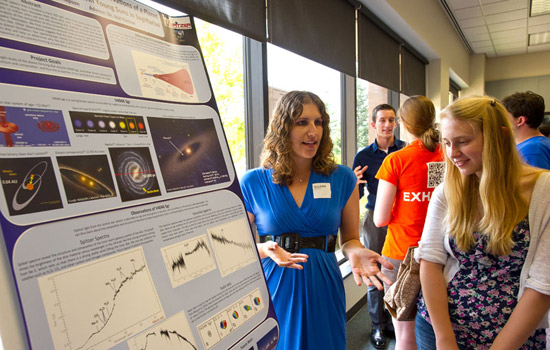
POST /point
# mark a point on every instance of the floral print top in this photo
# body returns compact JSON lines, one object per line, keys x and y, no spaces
{"x":483,"y":293}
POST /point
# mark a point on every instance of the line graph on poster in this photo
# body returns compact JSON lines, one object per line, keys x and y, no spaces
{"x":233,"y":245}
{"x":188,"y":260}
{"x":172,"y":334}
{"x":94,"y":305}
{"x":164,"y":79}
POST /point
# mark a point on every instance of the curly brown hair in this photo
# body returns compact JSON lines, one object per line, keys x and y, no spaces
{"x":277,"y":152}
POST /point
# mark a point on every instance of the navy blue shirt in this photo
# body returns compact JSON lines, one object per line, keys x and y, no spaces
{"x":373,"y":157}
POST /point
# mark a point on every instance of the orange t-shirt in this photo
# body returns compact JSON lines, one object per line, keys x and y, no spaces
{"x":415,"y":172}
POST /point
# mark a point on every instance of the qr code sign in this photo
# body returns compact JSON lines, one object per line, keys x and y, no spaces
{"x":436,"y":172}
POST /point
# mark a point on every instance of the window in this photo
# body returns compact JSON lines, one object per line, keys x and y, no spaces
{"x":222,"y":50}
{"x":287,"y":71}
{"x":223,"y":54}
{"x":368,"y":96}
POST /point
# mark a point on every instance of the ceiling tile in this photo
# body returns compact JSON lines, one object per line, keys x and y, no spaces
{"x":505,"y":6}
{"x":475,"y":31}
{"x":461,"y":4}
{"x":504,"y":17}
{"x":513,"y":46}
{"x":469,"y":12}
{"x":539,"y":29}
{"x":510,"y":34}
{"x":482,"y":43}
{"x":511,"y":52}
{"x":498,"y":27}
{"x":538,"y":20}
{"x":505,"y":41}
{"x":518,"y":24}
{"x":471,"y":22}
{"x":478,"y":37}
{"x":538,"y":48}
{"x":483,"y":49}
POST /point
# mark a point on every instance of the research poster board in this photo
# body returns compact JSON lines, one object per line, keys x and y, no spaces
{"x":122,"y":219}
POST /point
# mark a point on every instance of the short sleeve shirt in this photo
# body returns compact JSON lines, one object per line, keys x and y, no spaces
{"x":415,"y":171}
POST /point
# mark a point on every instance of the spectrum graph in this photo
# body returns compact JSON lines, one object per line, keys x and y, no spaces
{"x":172,"y":334}
{"x":233,"y":245}
{"x":93,"y":306}
{"x":188,"y":260}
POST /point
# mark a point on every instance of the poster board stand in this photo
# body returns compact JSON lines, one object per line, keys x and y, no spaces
{"x":123,"y":224}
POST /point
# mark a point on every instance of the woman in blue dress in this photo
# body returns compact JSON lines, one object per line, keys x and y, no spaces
{"x":299,"y":201}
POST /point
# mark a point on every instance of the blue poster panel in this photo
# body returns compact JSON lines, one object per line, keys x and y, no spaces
{"x":122,"y":222}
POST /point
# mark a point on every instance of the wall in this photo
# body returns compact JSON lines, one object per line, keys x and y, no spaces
{"x":503,"y":88}
{"x":424,"y":25}
{"x":518,"y":66}
{"x":509,"y":74}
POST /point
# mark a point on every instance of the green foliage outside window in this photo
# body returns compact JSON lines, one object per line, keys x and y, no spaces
{"x":223,"y":55}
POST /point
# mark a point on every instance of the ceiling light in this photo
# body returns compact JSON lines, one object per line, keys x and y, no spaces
{"x":539,"y":38}
{"x":539,"y":7}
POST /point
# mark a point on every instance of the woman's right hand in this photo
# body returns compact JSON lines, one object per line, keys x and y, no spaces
{"x":281,"y":257}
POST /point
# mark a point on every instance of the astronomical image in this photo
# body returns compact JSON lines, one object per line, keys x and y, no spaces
{"x":134,"y":172}
{"x":189,"y":152}
{"x":101,"y":123}
{"x":24,"y":127}
{"x":29,"y":185}
{"x":86,"y":177}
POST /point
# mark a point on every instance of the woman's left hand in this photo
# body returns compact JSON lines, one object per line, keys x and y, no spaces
{"x":364,"y":266}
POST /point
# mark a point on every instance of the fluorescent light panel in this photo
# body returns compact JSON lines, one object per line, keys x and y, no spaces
{"x":539,"y":38}
{"x":539,"y":7}
{"x":161,"y":8}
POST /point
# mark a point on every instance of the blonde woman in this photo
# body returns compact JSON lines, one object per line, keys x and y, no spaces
{"x":485,"y":251}
{"x":407,"y":179}
{"x":299,"y":199}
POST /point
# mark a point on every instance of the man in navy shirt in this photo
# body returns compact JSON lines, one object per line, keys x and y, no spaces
{"x":366,"y":165}
{"x":526,"y":112}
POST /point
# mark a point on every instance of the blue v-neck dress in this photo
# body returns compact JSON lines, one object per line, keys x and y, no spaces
{"x":309,"y":303}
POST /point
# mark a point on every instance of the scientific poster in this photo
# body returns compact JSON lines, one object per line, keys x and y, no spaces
{"x":121,"y":214}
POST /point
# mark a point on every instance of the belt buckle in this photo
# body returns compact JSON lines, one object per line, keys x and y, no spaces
{"x":290,"y":242}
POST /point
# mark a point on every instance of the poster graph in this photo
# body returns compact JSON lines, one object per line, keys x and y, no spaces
{"x":188,"y":260}
{"x":233,"y":246}
{"x":99,"y":304}
{"x":172,"y":334}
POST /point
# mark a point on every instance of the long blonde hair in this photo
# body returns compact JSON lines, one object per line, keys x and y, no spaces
{"x":277,"y":150}
{"x":493,"y":204}
{"x":418,"y":115}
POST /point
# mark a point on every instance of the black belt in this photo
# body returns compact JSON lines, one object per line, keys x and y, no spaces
{"x":293,"y":242}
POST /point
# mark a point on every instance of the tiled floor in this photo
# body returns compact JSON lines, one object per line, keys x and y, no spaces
{"x":358,"y":332}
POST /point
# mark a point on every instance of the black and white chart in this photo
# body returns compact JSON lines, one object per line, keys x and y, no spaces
{"x":172,"y":334}
{"x":233,"y":245}
{"x":188,"y":260}
{"x":99,"y":304}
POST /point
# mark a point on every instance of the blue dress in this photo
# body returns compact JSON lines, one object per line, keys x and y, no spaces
{"x":309,"y":303}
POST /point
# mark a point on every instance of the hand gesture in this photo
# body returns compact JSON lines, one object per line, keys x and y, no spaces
{"x":364,"y":266}
{"x":284,"y":258}
{"x":359,"y":173}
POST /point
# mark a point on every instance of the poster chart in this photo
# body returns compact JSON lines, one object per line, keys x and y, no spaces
{"x":123,"y":225}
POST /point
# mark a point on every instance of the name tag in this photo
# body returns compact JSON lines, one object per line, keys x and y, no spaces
{"x":321,"y":190}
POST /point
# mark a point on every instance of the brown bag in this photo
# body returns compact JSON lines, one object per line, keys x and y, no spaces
{"x":400,"y":299}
